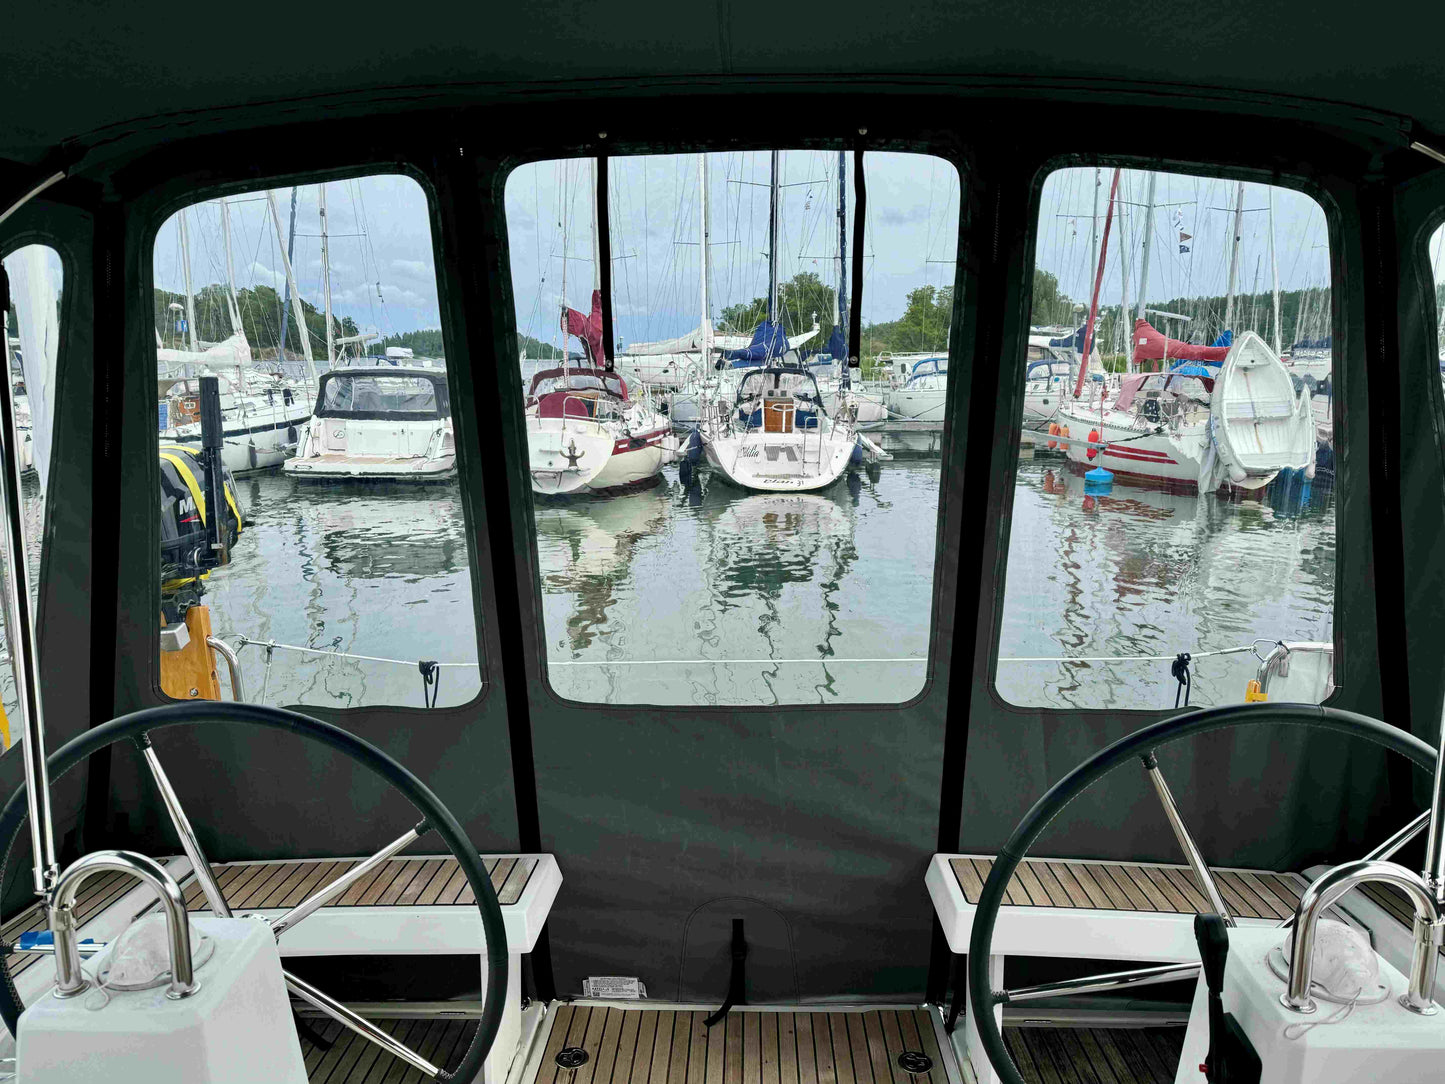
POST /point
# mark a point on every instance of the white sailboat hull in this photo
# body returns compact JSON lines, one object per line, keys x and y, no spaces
{"x":798,"y":462}
{"x":577,"y":456}
{"x":926,"y":405}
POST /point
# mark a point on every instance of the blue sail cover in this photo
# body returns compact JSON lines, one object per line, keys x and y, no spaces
{"x":1076,"y":340}
{"x":768,"y":342}
{"x":1193,"y":368}
{"x":1314,"y":344}
{"x":1226,"y":338}
{"x":835,"y":347}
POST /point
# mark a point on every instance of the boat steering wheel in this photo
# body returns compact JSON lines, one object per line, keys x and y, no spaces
{"x":140,"y":726}
{"x":1139,"y":744}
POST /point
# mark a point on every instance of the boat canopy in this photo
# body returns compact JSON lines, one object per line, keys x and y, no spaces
{"x":383,"y":395}
{"x":800,"y":382}
{"x":930,"y":367}
{"x":551,"y":381}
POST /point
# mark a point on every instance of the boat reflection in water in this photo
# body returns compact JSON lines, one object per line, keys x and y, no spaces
{"x":376,"y":569}
{"x":703,"y":594}
{"x":1134,"y":571}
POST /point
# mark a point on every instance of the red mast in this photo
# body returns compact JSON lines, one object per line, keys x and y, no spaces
{"x":1098,"y":282}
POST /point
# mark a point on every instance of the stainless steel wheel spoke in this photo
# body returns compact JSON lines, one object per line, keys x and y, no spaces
{"x":320,"y":898}
{"x":199,"y":865}
{"x":1113,"y":980}
{"x":359,"y":1024}
{"x":1186,"y":842}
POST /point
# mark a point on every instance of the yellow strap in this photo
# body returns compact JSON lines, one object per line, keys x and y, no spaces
{"x":188,"y":476}
{"x":193,"y":484}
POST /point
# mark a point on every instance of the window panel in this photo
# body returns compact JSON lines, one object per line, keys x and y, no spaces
{"x":316,"y":309}
{"x":1203,"y":308}
{"x":777,"y":546}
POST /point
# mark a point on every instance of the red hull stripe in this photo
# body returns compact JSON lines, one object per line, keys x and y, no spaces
{"x":1141,"y":455}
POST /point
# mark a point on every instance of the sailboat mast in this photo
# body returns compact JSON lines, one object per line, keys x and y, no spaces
{"x":1123,"y":332}
{"x":297,"y":310}
{"x":1098,"y":282}
{"x":705,"y":218}
{"x":1144,"y":259}
{"x":326,"y":280}
{"x":1274,"y":269}
{"x":186,"y":277}
{"x":773,"y":242}
{"x":1234,"y":256}
{"x":562,"y":221}
{"x":233,"y":307}
{"x":842,"y":293}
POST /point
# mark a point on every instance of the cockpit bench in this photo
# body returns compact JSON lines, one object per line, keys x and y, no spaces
{"x":406,"y":906}
{"x":1064,"y":907}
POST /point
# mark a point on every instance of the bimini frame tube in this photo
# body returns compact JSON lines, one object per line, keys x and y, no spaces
{"x":20,"y":631}
{"x":1434,"y":873}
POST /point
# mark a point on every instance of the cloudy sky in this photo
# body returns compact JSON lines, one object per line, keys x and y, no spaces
{"x":380,"y":250}
{"x":1203,"y":208}
{"x":909,"y":241}
{"x":383,"y":277}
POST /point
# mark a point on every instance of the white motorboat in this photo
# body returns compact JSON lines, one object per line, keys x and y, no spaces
{"x":776,"y":435}
{"x":1198,"y":426}
{"x":586,"y":434}
{"x":386,"y":424}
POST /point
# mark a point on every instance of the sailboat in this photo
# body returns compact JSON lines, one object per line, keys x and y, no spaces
{"x":1218,"y":414}
{"x":261,"y":414}
{"x":775,"y":434}
{"x":585,"y":432}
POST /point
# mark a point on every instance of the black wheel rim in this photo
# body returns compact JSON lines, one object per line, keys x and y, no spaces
{"x":1133,"y":745}
{"x":436,"y":815}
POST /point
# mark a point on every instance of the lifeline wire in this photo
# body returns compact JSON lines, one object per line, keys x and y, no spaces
{"x":271,"y":646}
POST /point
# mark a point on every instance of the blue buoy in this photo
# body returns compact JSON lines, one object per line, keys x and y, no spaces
{"x":694,"y":447}
{"x":856,"y":458}
{"x":1099,"y":476}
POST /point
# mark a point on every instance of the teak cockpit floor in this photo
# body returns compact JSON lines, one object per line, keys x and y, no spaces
{"x":1055,"y":1055}
{"x":752,"y":1046}
{"x":353,"y":1060}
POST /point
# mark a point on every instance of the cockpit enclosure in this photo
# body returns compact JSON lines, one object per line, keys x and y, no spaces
{"x":382,"y":395}
{"x":799,"y":383}
{"x":814,"y":792}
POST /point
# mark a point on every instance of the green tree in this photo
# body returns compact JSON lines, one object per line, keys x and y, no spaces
{"x":802,"y":298}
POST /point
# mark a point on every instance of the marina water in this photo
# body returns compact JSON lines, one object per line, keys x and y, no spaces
{"x":705,"y":595}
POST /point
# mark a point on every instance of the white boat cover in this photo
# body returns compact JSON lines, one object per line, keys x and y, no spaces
{"x":35,"y":290}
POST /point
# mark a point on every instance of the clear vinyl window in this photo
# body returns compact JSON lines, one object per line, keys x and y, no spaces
{"x":32,"y":343}
{"x":1175,"y":485}
{"x":725,"y":513}
{"x":346,"y":581}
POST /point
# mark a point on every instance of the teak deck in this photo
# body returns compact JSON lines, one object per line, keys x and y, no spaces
{"x":398,"y":882}
{"x":664,"y":1046}
{"x":354,"y":1060}
{"x":1095,"y":1055}
{"x":1132,"y":886}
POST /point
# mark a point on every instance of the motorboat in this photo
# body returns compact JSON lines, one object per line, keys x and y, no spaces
{"x":586,"y":434}
{"x":776,"y":436}
{"x":379,"y":424}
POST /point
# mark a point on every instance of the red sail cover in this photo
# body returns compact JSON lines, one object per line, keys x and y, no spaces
{"x":1151,"y":345}
{"x":588,"y":329}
